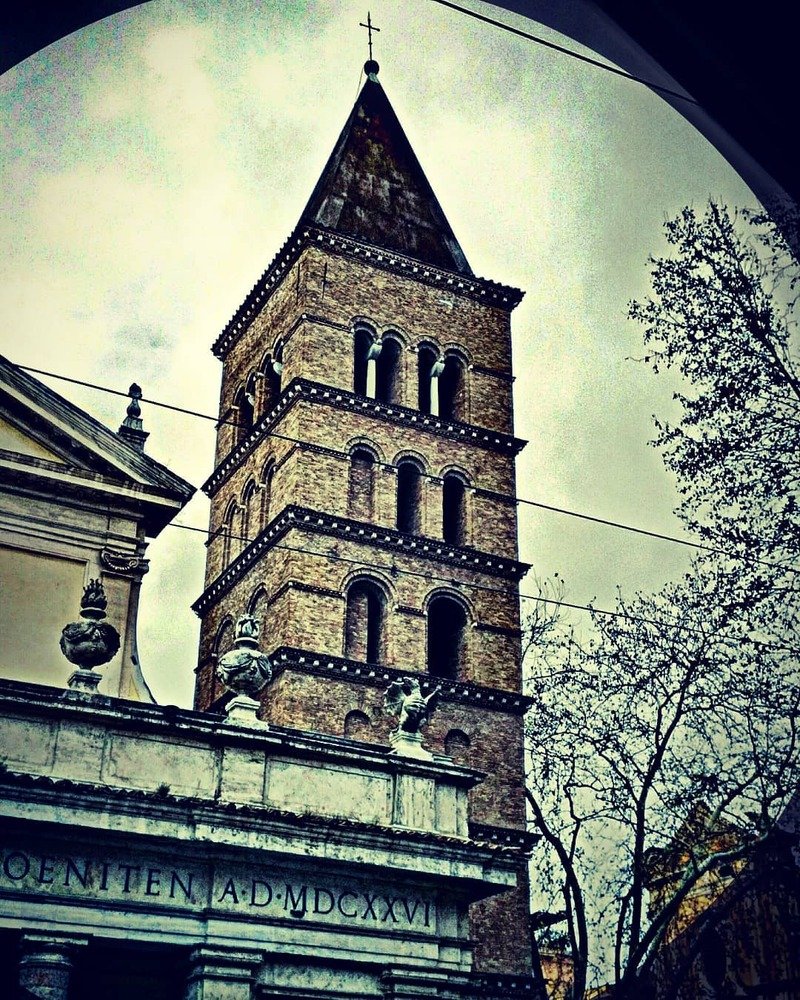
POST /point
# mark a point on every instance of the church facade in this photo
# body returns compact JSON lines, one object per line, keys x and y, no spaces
{"x":298,"y":834}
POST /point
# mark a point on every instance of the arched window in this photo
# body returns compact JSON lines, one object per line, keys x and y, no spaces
{"x":249,"y":528}
{"x":387,"y":371}
{"x":362,"y":344}
{"x":456,"y":744}
{"x":223,"y":640}
{"x":361,"y":485}
{"x":447,"y":637}
{"x":257,"y":605}
{"x":229,"y":529}
{"x":365,"y":622}
{"x":453,"y":389}
{"x":267,"y":478}
{"x":426,"y":359}
{"x":243,"y":412}
{"x":271,"y":370}
{"x":357,"y":725}
{"x":454,"y":510}
{"x":409,"y":497}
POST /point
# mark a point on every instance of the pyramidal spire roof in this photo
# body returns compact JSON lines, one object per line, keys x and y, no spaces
{"x":373,"y":188}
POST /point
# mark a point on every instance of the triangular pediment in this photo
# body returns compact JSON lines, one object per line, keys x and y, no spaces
{"x":373,"y":189}
{"x":20,"y":441}
{"x":40,"y":429}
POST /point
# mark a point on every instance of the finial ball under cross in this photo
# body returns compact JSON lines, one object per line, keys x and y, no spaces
{"x":370,"y":28}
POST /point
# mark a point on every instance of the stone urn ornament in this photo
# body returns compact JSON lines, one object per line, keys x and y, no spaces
{"x":245,"y":671}
{"x":89,"y":643}
{"x":404,"y":699}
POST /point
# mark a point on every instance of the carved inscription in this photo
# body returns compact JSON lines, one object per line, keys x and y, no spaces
{"x":249,"y":890}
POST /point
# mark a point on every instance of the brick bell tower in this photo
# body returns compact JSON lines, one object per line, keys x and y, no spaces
{"x":362,"y":498}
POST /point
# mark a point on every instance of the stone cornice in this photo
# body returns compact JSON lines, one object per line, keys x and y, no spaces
{"x":506,"y":986}
{"x":514,"y":633}
{"x":482,"y":290}
{"x":44,"y":479}
{"x":304,"y":588}
{"x":503,"y":836}
{"x":347,"y":529}
{"x":303,"y":389}
{"x":68,"y":792}
{"x":87,"y":442}
{"x":375,"y":675}
{"x":18,"y":699}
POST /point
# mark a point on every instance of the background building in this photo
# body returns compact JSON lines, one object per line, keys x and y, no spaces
{"x":77,"y":502}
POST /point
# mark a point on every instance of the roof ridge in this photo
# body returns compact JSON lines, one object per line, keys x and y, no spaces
{"x":373,"y":187}
{"x":100,"y":436}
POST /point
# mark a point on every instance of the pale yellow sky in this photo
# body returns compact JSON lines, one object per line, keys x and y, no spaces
{"x":153,"y":163}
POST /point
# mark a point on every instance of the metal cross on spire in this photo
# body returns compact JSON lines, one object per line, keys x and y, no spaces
{"x":370,"y":28}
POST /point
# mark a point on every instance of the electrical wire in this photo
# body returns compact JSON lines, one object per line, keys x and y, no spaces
{"x":504,"y":496}
{"x":568,"y":52}
{"x":427,"y":576}
{"x":513,"y":592}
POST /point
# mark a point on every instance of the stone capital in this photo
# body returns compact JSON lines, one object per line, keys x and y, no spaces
{"x":416,"y":984}
{"x":45,"y":964}
{"x":222,"y":974}
{"x":36,"y":941}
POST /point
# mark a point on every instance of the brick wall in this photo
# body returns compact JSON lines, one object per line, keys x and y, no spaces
{"x":314,"y":319}
{"x":306,"y":575}
{"x":301,"y":595}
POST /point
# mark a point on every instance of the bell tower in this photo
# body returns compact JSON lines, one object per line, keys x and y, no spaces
{"x":362,"y":501}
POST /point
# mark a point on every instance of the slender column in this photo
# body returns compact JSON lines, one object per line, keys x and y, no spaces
{"x":436,"y":371}
{"x":372,"y":368}
{"x":218,"y":974}
{"x":45,"y":965}
{"x":372,"y":377}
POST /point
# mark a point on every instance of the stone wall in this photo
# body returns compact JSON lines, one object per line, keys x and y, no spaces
{"x":266,"y":856}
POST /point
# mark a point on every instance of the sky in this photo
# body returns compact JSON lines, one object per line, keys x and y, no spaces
{"x":153,"y":163}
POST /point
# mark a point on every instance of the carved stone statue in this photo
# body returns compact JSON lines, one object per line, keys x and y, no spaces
{"x":91,"y":642}
{"x":245,"y":670}
{"x":405,"y":699}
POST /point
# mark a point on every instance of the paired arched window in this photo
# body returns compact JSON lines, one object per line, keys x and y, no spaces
{"x":365,"y":622}
{"x":387,"y":371}
{"x":426,"y":359}
{"x":249,"y":523}
{"x":447,"y":637}
{"x":453,"y":389}
{"x":223,"y":640}
{"x":230,"y":532}
{"x":362,"y":347}
{"x":271,"y":383}
{"x":454,"y":510}
{"x":361,"y":485}
{"x":409,"y":497}
{"x":257,"y":605}
{"x":267,"y":480}
{"x":244,"y":411}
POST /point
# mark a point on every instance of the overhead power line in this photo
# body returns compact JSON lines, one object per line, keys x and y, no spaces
{"x":430,"y":576}
{"x":567,"y":52}
{"x":506,"y":592}
{"x":606,"y":522}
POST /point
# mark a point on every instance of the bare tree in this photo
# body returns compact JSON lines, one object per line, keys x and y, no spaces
{"x":687,"y":702}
